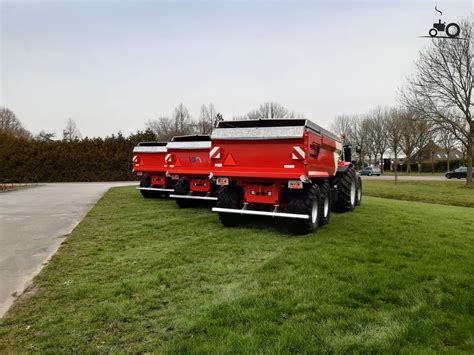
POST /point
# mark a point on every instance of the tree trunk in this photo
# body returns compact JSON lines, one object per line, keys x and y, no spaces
{"x":432,"y":163}
{"x":447,"y":159}
{"x":470,"y":143}
{"x":395,"y":170}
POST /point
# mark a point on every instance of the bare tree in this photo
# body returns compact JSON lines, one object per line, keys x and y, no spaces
{"x":424,"y":135}
{"x":409,"y":139}
{"x":447,"y":141}
{"x":441,"y":90}
{"x":378,"y":132}
{"x":182,"y":120}
{"x":270,"y":110}
{"x":10,"y":124}
{"x":343,"y":127}
{"x":207,"y":117}
{"x":394,"y":126}
{"x":71,"y":132}
{"x":162,"y":127}
{"x":45,"y":136}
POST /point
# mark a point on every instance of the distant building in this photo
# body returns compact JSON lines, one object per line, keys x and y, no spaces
{"x":432,"y":153}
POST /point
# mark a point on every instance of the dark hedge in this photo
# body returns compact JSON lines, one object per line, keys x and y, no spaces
{"x":89,"y":159}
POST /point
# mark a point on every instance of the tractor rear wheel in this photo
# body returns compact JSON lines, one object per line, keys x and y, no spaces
{"x":306,"y":201}
{"x":358,"y":200}
{"x":230,"y":197}
{"x":346,"y":184}
{"x":145,"y":181}
{"x":182,"y":188}
{"x":325,"y":203}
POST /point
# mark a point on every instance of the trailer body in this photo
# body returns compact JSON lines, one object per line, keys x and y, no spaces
{"x":148,"y":163}
{"x":268,"y":165}
{"x":187,"y":163}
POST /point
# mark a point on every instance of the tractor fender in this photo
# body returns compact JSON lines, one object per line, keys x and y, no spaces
{"x":343,"y":166}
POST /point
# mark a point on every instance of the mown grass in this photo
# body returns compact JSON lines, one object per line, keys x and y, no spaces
{"x":442,"y":192}
{"x":141,"y":275}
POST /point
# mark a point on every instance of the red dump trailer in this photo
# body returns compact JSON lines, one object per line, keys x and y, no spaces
{"x":148,"y":162}
{"x":187,"y":163}
{"x":288,"y":168}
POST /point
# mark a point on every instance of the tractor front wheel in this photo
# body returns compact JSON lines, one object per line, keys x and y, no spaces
{"x":346,"y":185}
{"x":306,"y":201}
{"x":358,"y":200}
{"x":325,"y":210}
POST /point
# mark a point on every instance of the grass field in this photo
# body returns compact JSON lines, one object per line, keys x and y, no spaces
{"x":441,"y":192}
{"x":141,"y":275}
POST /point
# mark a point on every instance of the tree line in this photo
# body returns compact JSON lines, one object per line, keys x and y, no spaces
{"x":391,"y":133}
{"x":435,"y":105}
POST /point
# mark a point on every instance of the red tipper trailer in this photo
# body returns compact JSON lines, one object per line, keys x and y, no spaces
{"x":187,"y":162}
{"x":285,"y":168}
{"x":149,"y":163}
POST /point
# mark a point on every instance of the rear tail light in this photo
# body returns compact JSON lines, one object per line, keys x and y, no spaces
{"x":295,"y":184}
{"x":222,"y":181}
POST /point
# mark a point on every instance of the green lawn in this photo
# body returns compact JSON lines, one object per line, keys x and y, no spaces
{"x":142,"y":275}
{"x":443,"y":192}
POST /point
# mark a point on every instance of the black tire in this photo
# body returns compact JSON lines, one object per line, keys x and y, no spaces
{"x":182,"y":188}
{"x":325,"y":207}
{"x":346,"y":190}
{"x":230,"y":196}
{"x":456,"y":28}
{"x":359,"y":190}
{"x":305,"y":201}
{"x":145,"y":181}
{"x":433,"y":32}
{"x":448,"y":176}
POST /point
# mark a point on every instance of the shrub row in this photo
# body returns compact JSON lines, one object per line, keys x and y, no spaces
{"x":96,"y":159}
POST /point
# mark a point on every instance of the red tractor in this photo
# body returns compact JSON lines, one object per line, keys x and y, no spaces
{"x":288,"y":168}
{"x":148,"y":162}
{"x":187,"y":163}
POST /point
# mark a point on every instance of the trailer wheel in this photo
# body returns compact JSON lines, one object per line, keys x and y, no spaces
{"x":306,"y":201}
{"x":182,"y":188}
{"x":346,"y":190}
{"x":358,"y":200}
{"x":145,"y":181}
{"x":325,"y":203}
{"x":230,"y":197}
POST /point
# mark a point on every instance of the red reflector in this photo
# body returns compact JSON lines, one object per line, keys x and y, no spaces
{"x":295,"y":184}
{"x":222,"y":181}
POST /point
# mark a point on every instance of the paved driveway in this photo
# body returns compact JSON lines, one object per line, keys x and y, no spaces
{"x":411,"y":177}
{"x":33,"y":223}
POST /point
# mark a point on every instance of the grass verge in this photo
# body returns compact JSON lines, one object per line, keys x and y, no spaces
{"x":442,"y":192}
{"x":141,"y":275}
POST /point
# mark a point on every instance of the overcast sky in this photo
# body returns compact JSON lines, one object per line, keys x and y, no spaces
{"x":112,"y":65}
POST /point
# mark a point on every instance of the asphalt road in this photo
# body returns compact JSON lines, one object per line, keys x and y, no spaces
{"x":412,"y":177}
{"x":33,"y":223}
